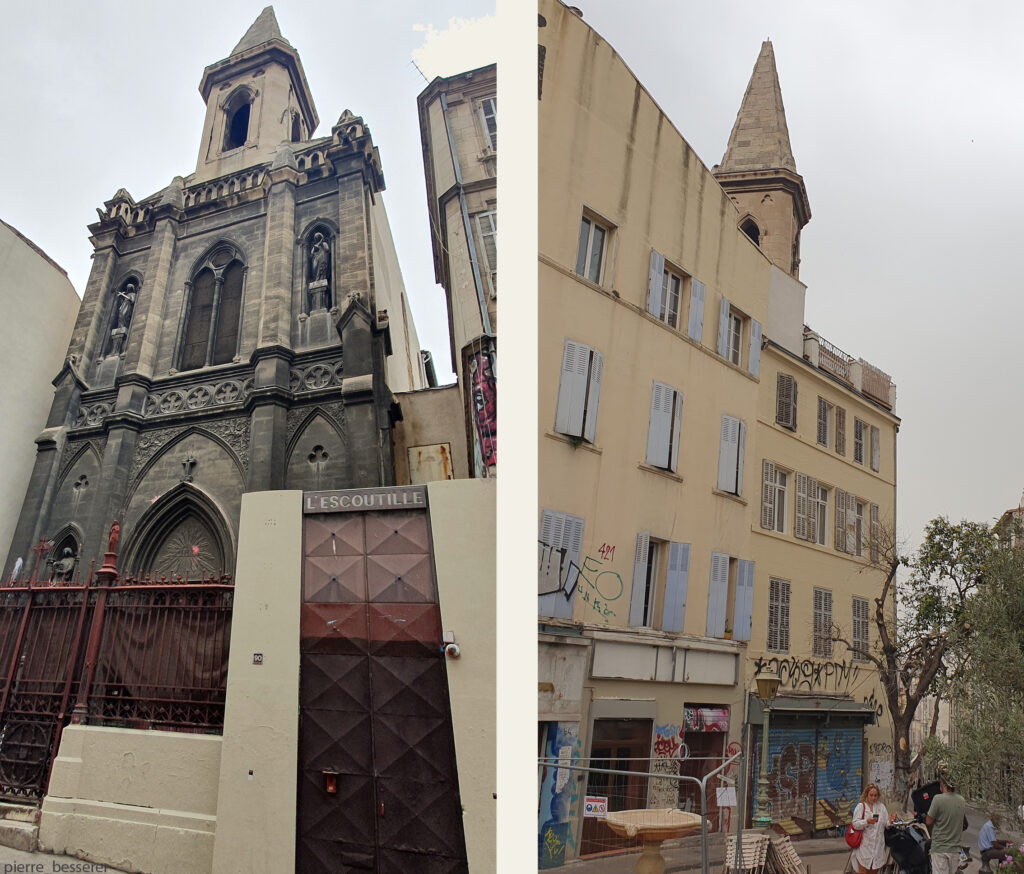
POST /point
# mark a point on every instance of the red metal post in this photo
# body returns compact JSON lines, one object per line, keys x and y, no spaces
{"x":16,"y":654}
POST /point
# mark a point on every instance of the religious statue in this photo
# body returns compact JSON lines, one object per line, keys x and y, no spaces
{"x":115,"y":532}
{"x":319,"y":269}
{"x":65,"y":565}
{"x":125,"y":301}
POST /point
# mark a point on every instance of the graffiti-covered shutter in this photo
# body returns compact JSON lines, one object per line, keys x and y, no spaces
{"x":675,"y":586}
{"x":696,"y":324}
{"x":560,"y":531}
{"x":792,"y":770}
{"x":840,"y":771}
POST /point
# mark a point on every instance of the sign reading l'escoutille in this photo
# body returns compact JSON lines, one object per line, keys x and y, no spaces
{"x":355,"y":500}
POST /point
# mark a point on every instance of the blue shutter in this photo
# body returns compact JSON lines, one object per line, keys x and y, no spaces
{"x":754,"y":358}
{"x":638,"y":594}
{"x":677,"y":422}
{"x":593,"y":395}
{"x":723,"y":328}
{"x":696,"y":326}
{"x":744,"y":606}
{"x":572,"y":389}
{"x":659,"y":429}
{"x":675,"y":586}
{"x":655,"y":277}
{"x":718,"y":592}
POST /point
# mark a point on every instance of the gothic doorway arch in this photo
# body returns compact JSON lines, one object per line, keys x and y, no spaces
{"x":182,"y":535}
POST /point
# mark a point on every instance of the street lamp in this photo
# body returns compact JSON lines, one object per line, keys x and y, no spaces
{"x":767,"y":688}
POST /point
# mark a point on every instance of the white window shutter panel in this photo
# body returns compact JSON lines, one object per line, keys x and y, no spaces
{"x":744,"y":607}
{"x":638,"y":593}
{"x":727,"y":445}
{"x":800,"y":509}
{"x":659,"y":428}
{"x":561,"y":532}
{"x":875,"y":437}
{"x":840,"y":431}
{"x":741,"y":441}
{"x":723,"y":328}
{"x":767,"y":494}
{"x":822,"y":421}
{"x":851,"y":524}
{"x":572,"y":389}
{"x":876,"y":534}
{"x":695,"y":328}
{"x":654,"y":284}
{"x":754,"y":358}
{"x":675,"y":586}
{"x":812,"y":509}
{"x":718,"y":591}
{"x":676,"y":425}
{"x":593,"y":396}
{"x":840,"y":526}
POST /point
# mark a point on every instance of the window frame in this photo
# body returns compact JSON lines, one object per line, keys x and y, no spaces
{"x":585,"y":247}
{"x":228,"y":257}
{"x":489,"y":265}
{"x":820,"y":502}
{"x":490,"y":137}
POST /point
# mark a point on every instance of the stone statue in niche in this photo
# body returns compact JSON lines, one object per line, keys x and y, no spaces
{"x":125,"y":302}
{"x":319,"y":273}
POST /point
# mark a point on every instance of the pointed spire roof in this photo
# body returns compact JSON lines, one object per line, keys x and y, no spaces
{"x":760,"y":137}
{"x":263,"y":29}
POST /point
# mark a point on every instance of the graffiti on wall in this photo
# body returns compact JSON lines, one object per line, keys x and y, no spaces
{"x":729,"y":778}
{"x":485,"y":410}
{"x":811,"y":675}
{"x":559,"y":796}
{"x":880,"y":766}
{"x":874,"y":703}
{"x":600,"y":587}
{"x":667,"y":749}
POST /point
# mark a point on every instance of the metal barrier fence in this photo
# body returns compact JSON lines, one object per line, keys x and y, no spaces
{"x":681,"y":782}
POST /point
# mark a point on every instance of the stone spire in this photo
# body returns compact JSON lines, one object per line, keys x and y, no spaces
{"x":758,"y":171}
{"x":760,"y":137}
{"x":263,"y":29}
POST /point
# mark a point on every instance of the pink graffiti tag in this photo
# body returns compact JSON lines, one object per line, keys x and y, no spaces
{"x":485,"y":407}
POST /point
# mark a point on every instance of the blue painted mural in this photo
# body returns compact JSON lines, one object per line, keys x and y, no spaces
{"x":559,"y":795}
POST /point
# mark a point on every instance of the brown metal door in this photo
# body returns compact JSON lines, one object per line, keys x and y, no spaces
{"x":378,"y":789}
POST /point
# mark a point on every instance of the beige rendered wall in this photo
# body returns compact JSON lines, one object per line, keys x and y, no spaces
{"x":135,"y":800}
{"x":462,"y":522}
{"x":37,"y":296}
{"x":429,"y":417}
{"x":257,"y":781}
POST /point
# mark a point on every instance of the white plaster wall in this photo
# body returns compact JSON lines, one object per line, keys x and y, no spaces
{"x":39,"y":307}
{"x":462,"y":522}
{"x":785,"y":323}
{"x":135,"y":800}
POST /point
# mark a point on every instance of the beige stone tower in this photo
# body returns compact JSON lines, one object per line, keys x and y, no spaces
{"x":759,"y":173}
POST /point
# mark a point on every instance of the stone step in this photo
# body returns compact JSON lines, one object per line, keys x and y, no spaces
{"x":19,"y":812}
{"x":19,"y":835}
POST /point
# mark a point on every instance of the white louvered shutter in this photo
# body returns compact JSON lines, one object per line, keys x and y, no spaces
{"x":742,"y":438}
{"x":840,"y":431}
{"x":822,"y":422}
{"x":638,"y":594}
{"x":800,"y":510}
{"x":695,"y":328}
{"x":875,"y":438}
{"x":876,"y":534}
{"x":674,"y":610}
{"x":840,"y":526}
{"x":593,"y":395}
{"x":572,"y":389}
{"x":677,"y":420}
{"x":785,"y":400}
{"x":654,"y":284}
{"x":718,"y":591}
{"x":812,"y":509}
{"x":858,"y":441}
{"x":723,"y":328}
{"x":659,"y":429}
{"x":744,"y":607}
{"x":767,"y":494}
{"x":754,"y":356}
{"x":560,"y":531}
{"x":851,"y":524}
{"x":728,"y":448}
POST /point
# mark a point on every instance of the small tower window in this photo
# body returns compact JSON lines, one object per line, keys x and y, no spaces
{"x":236,"y":126}
{"x":750,"y":228}
{"x":296,"y":130}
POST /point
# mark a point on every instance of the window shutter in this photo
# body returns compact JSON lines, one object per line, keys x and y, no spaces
{"x":659,"y":429}
{"x":742,"y":429}
{"x":728,"y":447}
{"x":593,"y":395}
{"x":572,"y":389}
{"x":560,"y":531}
{"x":696,"y":326}
{"x":800,"y":509}
{"x":858,"y":441}
{"x":773,"y":614}
{"x":744,"y":607}
{"x":654,"y":284}
{"x":812,"y":509}
{"x":784,"y":617}
{"x":638,"y":594}
{"x":827,"y":622}
{"x":768,"y":494}
{"x":851,"y":524}
{"x":840,"y":431}
{"x":875,"y":438}
{"x":723,"y":328}
{"x":675,"y":586}
{"x":822,"y":422}
{"x":754,"y":358}
{"x":861,"y":641}
{"x":840,"y":520}
{"x":785,"y":401}
{"x":876,"y":534}
{"x":718,"y":590}
{"x":676,"y":424}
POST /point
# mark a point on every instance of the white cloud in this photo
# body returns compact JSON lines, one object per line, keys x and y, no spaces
{"x":465,"y":44}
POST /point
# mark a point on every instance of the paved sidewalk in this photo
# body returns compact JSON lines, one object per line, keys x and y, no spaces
{"x":19,"y":862}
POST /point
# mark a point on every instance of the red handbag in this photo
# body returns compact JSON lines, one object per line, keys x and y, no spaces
{"x":851,"y":835}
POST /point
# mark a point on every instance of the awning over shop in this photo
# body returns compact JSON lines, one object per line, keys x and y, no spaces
{"x":810,"y":706}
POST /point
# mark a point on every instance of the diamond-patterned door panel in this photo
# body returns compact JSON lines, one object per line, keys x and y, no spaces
{"x":334,"y":534}
{"x":397,"y":533}
{"x":405,"y":629}
{"x":419,"y":816}
{"x":336,"y":741}
{"x":332,"y":681}
{"x":400,"y":862}
{"x":400,"y":578}
{"x":409,"y":686}
{"x":413,"y":747}
{"x":337,"y":628}
{"x":334,"y":579}
{"x":348,"y":816}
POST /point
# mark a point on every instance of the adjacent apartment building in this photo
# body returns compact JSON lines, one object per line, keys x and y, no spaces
{"x":716,"y":478}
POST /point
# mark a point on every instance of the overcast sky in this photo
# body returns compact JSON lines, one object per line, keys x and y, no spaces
{"x":907,"y":128}
{"x":103,"y":95}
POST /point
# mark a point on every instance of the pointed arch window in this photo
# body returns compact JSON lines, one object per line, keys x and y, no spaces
{"x":214,"y":309}
{"x":237,"y":111}
{"x":750,"y":228}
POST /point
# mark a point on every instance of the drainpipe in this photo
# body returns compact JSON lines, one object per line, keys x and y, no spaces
{"x":467,"y":228}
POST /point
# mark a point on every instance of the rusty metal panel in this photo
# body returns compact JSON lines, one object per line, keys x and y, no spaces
{"x":430,"y":463}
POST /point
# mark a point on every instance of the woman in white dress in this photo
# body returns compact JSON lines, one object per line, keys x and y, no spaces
{"x":870,"y":817}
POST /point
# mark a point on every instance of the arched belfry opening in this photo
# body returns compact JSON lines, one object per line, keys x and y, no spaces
{"x":213,"y":309}
{"x":182,"y":535}
{"x":237,"y":110}
{"x":750,"y":228}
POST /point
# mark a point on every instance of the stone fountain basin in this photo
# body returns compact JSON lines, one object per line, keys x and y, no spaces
{"x":653,"y":825}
